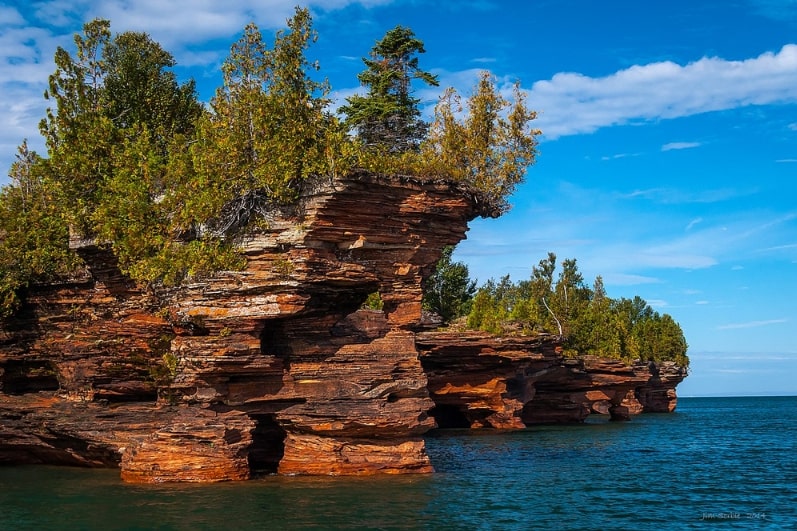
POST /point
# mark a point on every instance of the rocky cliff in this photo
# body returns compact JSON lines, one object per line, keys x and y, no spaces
{"x":275,"y":368}
{"x":477,"y":380}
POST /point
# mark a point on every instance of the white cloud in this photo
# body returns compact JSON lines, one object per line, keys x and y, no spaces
{"x":786,"y":160}
{"x":623,"y":279}
{"x":676,"y":196}
{"x":619,"y":156}
{"x":751,"y":324}
{"x":572,"y":103}
{"x":680,"y":145}
{"x":693,"y":223}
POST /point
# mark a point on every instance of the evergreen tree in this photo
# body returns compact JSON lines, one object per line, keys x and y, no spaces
{"x":449,"y":290}
{"x":139,"y":89}
{"x":33,"y":239}
{"x":266,"y":131}
{"x":79,"y":134}
{"x":491,"y":148}
{"x":388,"y":117}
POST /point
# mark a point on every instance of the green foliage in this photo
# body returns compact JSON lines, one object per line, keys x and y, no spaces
{"x":135,"y":162}
{"x":374,"y":301}
{"x":387,"y":119}
{"x":588,"y":320}
{"x":265,"y":133}
{"x":449,"y":290}
{"x":118,"y":134}
{"x":490,"y":148}
{"x":33,"y":240}
{"x":139,"y":90}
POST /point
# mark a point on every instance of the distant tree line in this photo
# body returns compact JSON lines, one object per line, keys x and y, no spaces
{"x":137,"y":163}
{"x":587,"y":319}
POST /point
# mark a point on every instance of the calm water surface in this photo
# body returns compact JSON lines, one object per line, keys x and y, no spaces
{"x":717,"y":463}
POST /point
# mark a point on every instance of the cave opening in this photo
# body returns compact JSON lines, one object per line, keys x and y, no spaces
{"x":268,"y":445}
{"x":20,"y":377}
{"x":274,"y":341}
{"x":449,"y":416}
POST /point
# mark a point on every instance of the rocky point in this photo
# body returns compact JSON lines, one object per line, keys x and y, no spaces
{"x":276,"y":368}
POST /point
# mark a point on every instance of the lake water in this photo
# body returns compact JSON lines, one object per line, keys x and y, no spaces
{"x":716,"y":463}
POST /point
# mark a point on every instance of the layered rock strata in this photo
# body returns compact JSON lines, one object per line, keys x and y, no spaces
{"x":477,"y":380}
{"x":273,"y":368}
{"x":276,"y":368}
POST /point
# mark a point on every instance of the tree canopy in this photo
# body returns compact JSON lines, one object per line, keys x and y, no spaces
{"x":587,"y":319}
{"x":137,"y":163}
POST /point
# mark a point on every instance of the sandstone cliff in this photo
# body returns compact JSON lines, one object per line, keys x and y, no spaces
{"x":275,"y":368}
{"x":478,"y":380}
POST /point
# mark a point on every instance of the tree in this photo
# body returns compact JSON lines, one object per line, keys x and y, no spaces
{"x":266,"y":132}
{"x":449,"y":290}
{"x":33,"y":240}
{"x":139,"y":89}
{"x":491,"y":148}
{"x":79,"y":134}
{"x":104,"y":96}
{"x":388,"y":117}
{"x":587,"y":319}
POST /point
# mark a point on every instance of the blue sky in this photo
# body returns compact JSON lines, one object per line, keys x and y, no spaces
{"x":668,"y":163}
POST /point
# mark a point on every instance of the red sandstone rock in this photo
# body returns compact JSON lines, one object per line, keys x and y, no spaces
{"x":477,"y":380}
{"x":273,"y":366}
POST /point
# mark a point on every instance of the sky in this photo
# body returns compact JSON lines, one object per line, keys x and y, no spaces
{"x":667,"y":163}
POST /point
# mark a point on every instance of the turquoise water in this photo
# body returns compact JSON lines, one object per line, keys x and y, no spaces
{"x":717,"y":463}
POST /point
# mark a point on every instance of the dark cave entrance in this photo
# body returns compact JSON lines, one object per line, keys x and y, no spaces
{"x":449,"y":416}
{"x":20,"y":377}
{"x":268,"y":445}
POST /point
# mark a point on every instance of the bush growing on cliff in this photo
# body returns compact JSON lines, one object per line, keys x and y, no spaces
{"x":588,"y":320}
{"x":266,"y":131}
{"x":490,"y":148}
{"x":33,"y":239}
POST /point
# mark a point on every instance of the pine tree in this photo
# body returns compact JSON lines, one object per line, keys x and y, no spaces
{"x":449,"y":290}
{"x":388,"y":116}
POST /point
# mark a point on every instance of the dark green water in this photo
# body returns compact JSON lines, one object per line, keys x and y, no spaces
{"x":717,"y":463}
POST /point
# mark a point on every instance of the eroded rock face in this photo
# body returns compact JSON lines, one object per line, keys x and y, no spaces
{"x":477,"y":380}
{"x":276,"y":368}
{"x":273,"y":368}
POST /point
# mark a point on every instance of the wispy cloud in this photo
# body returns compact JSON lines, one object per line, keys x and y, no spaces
{"x":680,"y":145}
{"x":623,"y":279}
{"x":786,"y":160}
{"x":751,"y":324}
{"x":572,"y":103}
{"x":693,"y":223}
{"x":680,"y":196}
{"x":619,"y":156}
